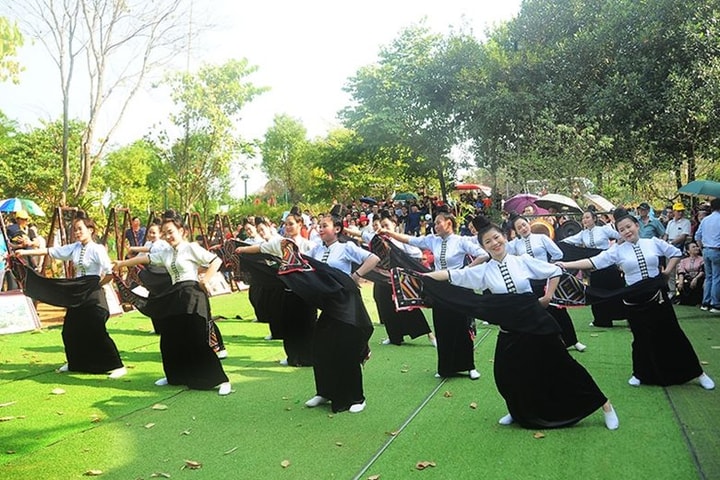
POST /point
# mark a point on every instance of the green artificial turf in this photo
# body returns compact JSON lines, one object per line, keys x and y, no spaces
{"x":263,"y":430}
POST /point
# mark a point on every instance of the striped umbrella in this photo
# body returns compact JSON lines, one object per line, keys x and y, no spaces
{"x":16,"y":204}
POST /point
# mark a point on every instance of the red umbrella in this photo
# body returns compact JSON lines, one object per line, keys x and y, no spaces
{"x":474,"y":186}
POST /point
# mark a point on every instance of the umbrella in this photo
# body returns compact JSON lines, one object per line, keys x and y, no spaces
{"x":368,"y":200}
{"x":700,"y":188}
{"x":16,"y":204}
{"x":519,"y":202}
{"x":405,"y":196}
{"x":474,"y":186}
{"x":559,"y":202}
{"x":601,"y":203}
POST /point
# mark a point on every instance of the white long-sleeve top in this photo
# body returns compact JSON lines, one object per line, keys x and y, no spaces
{"x":522,"y":269}
{"x":88,"y":259}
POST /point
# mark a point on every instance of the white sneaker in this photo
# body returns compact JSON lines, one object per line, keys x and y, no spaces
{"x":162,"y":382}
{"x":611,"y":419}
{"x":704,"y":308}
{"x":357,"y":408}
{"x":437,"y":375}
{"x":580,"y":347}
{"x":634,"y":381}
{"x":433,"y":342}
{"x":706,"y":382}
{"x":315,"y":401}
{"x":118,"y":372}
{"x":268,"y":337}
{"x":222,"y":354}
{"x":385,"y":342}
{"x":474,"y":374}
{"x":284,"y":362}
{"x":63,"y":368}
{"x":225,"y":388}
{"x":506,"y":420}
{"x":714,"y":310}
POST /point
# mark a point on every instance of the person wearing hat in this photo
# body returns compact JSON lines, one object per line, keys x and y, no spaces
{"x":676,"y":233}
{"x":649,"y":226}
{"x":20,"y":234}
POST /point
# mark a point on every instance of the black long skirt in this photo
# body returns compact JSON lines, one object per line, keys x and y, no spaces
{"x":543,"y":386}
{"x":338,"y":351}
{"x":608,"y":279}
{"x":661,"y":353}
{"x":185,"y":329}
{"x":454,"y":342}
{"x":88,"y":346}
{"x":398,"y":323}
{"x":692,"y":296}
{"x":298,"y":321}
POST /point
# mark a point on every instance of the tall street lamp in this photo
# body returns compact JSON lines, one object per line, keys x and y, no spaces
{"x":245,"y":178}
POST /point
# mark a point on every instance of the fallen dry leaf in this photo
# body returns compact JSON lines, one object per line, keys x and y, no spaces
{"x":6,"y":419}
{"x":704,"y":362}
{"x":404,"y":370}
{"x":374,"y":477}
{"x":593,"y":334}
{"x":57,"y":391}
{"x":473,"y":405}
{"x":192,"y":464}
{"x":285,"y":463}
{"x":424,"y":464}
{"x":447,"y":394}
{"x":93,"y":473}
{"x":159,"y":406}
{"x":59,"y":413}
{"x":95,"y":419}
{"x":7,"y":404}
{"x":715,"y":347}
{"x":230,"y":451}
{"x":539,"y":435}
{"x":185,"y":432}
{"x":149,"y":425}
{"x":339,"y":444}
{"x":10,"y":452}
{"x":160,"y":475}
{"x":393,"y":433}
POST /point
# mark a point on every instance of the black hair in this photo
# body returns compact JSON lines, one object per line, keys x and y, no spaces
{"x":171,"y":216}
{"x":483,"y":225}
{"x":593,"y":212}
{"x":514,"y":217}
{"x":621,"y":214}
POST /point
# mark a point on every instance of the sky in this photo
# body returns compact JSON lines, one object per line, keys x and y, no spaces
{"x":305,"y":52}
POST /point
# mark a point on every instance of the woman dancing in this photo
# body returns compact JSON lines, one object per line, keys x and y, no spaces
{"x":88,"y":347}
{"x":184,"y":310}
{"x":453,"y":332}
{"x":543,"y":248}
{"x":543,"y":386}
{"x":661,"y":353}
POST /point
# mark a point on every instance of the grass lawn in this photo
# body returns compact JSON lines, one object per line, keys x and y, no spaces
{"x":131,"y":429}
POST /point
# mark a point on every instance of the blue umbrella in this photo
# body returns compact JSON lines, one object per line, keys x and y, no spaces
{"x":368,"y":200}
{"x":701,"y":188}
{"x":405,"y":196}
{"x":16,"y":204}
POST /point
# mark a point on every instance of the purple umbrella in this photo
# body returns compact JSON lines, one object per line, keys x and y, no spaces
{"x":519,"y":202}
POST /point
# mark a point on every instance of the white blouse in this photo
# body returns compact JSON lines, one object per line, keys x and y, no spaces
{"x":487,"y":275}
{"x":624,"y":256}
{"x":274,"y":247}
{"x":541,"y":247}
{"x":596,"y":237}
{"x":456,"y":247}
{"x":182,"y":262}
{"x":340,"y":255}
{"x":88,"y":259}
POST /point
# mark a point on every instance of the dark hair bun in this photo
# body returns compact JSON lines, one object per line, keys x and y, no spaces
{"x":80,"y":215}
{"x":591,"y":208}
{"x":170,"y":213}
{"x":338,"y":210}
{"x":386,"y":214}
{"x":259,"y":220}
{"x":620,"y":212}
{"x":481,"y":222}
{"x":514,"y":216}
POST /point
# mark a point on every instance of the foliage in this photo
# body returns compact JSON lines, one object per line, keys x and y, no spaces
{"x":128,"y":176}
{"x":209,"y":102}
{"x":10,"y":40}
{"x":285,"y":155}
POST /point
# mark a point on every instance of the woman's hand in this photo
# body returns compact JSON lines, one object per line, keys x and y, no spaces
{"x":117,"y":265}
{"x":544,"y":301}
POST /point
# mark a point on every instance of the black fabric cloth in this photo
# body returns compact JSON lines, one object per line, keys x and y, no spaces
{"x":543,"y":386}
{"x":691,"y":296}
{"x":60,"y":292}
{"x":185,"y":321}
{"x":398,"y":323}
{"x":528,"y":315}
{"x":454,"y":337}
{"x":609,"y":278}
